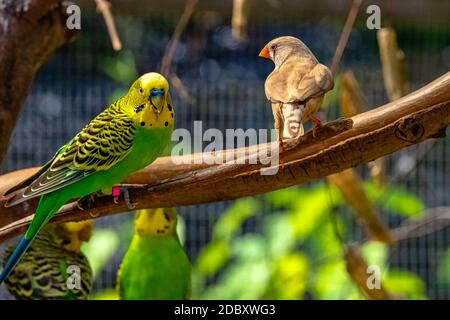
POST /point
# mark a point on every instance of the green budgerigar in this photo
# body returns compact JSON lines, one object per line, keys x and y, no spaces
{"x":127,"y":136}
{"x":53,"y":268}
{"x":155,"y":267}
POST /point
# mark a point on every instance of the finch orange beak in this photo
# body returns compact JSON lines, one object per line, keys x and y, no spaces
{"x":264,"y":53}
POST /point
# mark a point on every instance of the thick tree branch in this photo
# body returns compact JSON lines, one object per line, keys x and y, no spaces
{"x":416,"y":117}
{"x":29,"y":32}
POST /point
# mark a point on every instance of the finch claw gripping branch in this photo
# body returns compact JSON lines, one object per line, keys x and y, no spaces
{"x":317,"y":123}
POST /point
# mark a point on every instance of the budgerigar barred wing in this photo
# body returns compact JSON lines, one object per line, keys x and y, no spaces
{"x":42,"y":273}
{"x":105,"y":141}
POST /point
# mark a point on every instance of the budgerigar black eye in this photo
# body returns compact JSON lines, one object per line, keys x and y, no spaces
{"x":139,"y":108}
{"x":141,"y":91}
{"x":65,"y":242}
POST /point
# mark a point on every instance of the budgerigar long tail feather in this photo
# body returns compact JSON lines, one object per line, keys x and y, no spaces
{"x":47,"y":207}
{"x":15,"y":258}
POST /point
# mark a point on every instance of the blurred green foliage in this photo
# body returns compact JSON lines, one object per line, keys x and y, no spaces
{"x":444,"y":268}
{"x":297,"y":255}
{"x":121,"y":68}
{"x":396,"y":200}
{"x":100,"y":249}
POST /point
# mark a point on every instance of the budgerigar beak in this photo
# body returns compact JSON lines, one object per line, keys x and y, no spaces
{"x":157,"y":100}
{"x":264,"y":53}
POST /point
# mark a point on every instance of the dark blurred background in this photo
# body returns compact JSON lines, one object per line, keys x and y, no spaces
{"x":224,"y":80}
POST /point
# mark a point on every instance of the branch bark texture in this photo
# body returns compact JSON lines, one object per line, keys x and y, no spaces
{"x":30,"y":30}
{"x":340,"y":145}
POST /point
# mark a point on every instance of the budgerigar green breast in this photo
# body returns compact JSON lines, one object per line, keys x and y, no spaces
{"x":126,"y":137}
{"x":155,"y":266}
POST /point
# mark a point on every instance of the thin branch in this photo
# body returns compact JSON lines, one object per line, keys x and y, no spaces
{"x":393,"y":63}
{"x":357,"y":269}
{"x":433,"y":220}
{"x":348,"y":181}
{"x":166,"y":62}
{"x":342,"y":144}
{"x":181,"y":89}
{"x":352,"y":102}
{"x":104,"y":7}
{"x":239,"y":19}
{"x":351,"y":187}
{"x":353,"y":13}
{"x":417,"y":154}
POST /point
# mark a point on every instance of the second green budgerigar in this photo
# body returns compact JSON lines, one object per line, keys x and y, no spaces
{"x":155,"y":266}
{"x":53,"y":268}
{"x":127,"y":136}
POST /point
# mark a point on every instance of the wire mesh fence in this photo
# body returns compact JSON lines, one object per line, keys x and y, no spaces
{"x":225,"y":79}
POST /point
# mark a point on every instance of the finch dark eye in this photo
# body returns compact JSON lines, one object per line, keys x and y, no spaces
{"x":66,"y":242}
{"x":273,"y":47}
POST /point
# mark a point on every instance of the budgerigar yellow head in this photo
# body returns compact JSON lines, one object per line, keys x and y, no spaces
{"x":71,"y":235}
{"x":148,"y":102}
{"x":159,"y":222}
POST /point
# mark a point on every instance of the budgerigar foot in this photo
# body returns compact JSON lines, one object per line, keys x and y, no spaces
{"x":116,"y":191}
{"x":86,"y":202}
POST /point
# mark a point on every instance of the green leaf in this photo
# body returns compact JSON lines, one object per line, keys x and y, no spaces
{"x":231,"y":220}
{"x":181,"y":228}
{"x":250,"y":247}
{"x":279,"y":234}
{"x":108,"y":294}
{"x":324,"y":242}
{"x":312,"y":209}
{"x":444,"y":269}
{"x":332,"y":98}
{"x":375,"y":253}
{"x":198,"y":283}
{"x":332,"y":282}
{"x":404,"y":284}
{"x":212,"y":257}
{"x":289,"y":276}
{"x":286,"y":197}
{"x":100,"y":248}
{"x":116,"y":95}
{"x":121,"y":68}
{"x":241,"y":281}
{"x":396,"y":200}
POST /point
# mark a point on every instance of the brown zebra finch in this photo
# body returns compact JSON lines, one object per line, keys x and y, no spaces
{"x":295,"y":87}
